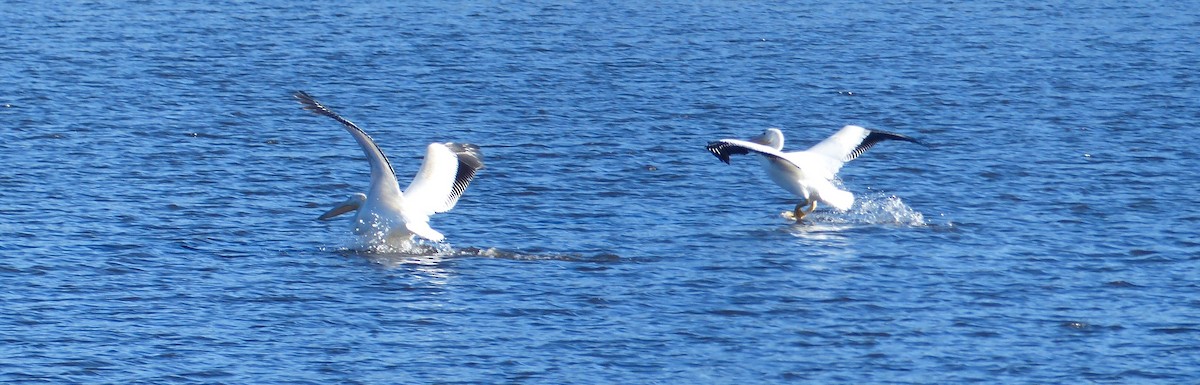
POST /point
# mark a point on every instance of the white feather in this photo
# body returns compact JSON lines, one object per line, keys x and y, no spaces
{"x":807,"y":174}
{"x":389,"y":214}
{"x":429,"y":191}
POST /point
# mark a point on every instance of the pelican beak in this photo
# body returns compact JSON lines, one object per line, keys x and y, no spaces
{"x":339,"y":210}
{"x":349,"y":205}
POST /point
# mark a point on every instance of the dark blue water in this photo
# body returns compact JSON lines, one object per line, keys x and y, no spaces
{"x":159,"y":191}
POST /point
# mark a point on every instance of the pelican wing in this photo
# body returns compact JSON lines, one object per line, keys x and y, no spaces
{"x":724,"y":148}
{"x":383,"y":178}
{"x":447,"y":170}
{"x":851,"y":141}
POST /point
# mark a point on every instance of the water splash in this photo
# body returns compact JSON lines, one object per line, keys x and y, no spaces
{"x":874,"y":209}
{"x":887,"y":209}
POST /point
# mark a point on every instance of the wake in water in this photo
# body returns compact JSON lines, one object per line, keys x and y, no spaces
{"x":418,"y":253}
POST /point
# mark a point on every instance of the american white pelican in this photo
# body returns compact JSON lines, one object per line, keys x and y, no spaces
{"x":808,"y":174}
{"x":385,"y":210}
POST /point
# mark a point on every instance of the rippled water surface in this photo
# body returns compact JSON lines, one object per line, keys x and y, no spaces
{"x":160,"y":188}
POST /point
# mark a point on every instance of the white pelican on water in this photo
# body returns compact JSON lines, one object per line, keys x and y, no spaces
{"x":396,"y":215}
{"x":808,"y":174}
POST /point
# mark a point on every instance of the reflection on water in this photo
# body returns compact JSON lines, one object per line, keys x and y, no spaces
{"x":430,"y":266}
{"x":421,"y":259}
{"x":430,"y":258}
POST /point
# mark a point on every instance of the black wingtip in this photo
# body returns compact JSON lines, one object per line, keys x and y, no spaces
{"x":467,"y":153}
{"x":305,"y":98}
{"x":884,"y":135}
{"x":718,"y":149}
{"x":470,"y":161}
{"x":874,"y":137}
{"x":308,"y":102}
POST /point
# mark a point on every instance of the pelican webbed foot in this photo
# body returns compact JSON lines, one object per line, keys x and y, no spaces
{"x":799,"y":212}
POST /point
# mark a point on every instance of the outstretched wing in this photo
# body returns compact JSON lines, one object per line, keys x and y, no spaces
{"x":851,"y":141}
{"x":846,"y":145}
{"x":725,"y":148}
{"x":383,"y":178}
{"x":447,"y":170}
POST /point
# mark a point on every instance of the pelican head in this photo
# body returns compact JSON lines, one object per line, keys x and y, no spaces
{"x":770,"y":137}
{"x":355,"y":201}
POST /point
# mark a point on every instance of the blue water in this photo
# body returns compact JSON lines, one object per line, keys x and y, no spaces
{"x":160,"y":186}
